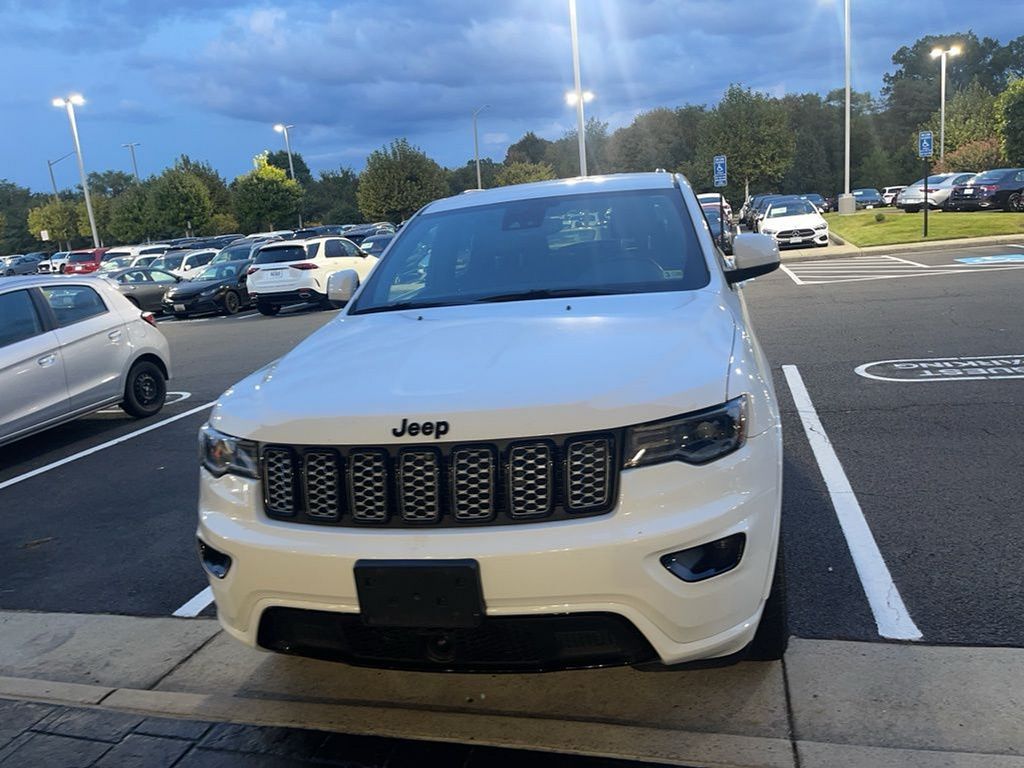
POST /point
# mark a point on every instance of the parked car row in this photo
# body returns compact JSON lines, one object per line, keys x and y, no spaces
{"x":1000,"y":189}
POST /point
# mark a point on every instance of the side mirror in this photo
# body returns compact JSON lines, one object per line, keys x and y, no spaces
{"x":187,"y":267}
{"x":753,"y":255}
{"x":341,"y":286}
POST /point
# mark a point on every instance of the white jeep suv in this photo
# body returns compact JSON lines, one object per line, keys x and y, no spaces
{"x":558,"y":446}
{"x":296,"y":271}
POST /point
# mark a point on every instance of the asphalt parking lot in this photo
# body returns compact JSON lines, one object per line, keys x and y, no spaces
{"x":899,"y":377}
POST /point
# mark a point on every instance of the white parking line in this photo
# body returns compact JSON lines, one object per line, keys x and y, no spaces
{"x":887,"y":605}
{"x":102,"y":446}
{"x":196,"y":605}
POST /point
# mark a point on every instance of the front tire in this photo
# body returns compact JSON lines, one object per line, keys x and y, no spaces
{"x":772,"y":636}
{"x":145,"y":390}
{"x":267,"y":309}
{"x":231,"y":303}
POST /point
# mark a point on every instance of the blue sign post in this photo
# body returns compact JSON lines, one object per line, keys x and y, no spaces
{"x":721,"y":171}
{"x":721,"y":174}
{"x":925,"y":148}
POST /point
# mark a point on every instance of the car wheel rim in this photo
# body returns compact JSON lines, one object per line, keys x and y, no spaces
{"x":146,"y":389}
{"x":231,"y":302}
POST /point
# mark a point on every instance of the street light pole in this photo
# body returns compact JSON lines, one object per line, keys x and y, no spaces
{"x":53,"y":181}
{"x":942,"y":54}
{"x":846,"y":202}
{"x":282,"y":128}
{"x":578,"y":91}
{"x":131,"y":148}
{"x":476,"y":146}
{"x":69,"y":104}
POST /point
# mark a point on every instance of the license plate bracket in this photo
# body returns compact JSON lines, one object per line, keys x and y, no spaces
{"x":435,"y":594}
{"x":179,"y":307}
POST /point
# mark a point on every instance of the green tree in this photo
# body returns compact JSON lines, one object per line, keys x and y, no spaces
{"x":58,"y":217}
{"x":331,"y":199}
{"x":523,"y":173}
{"x":564,"y":155}
{"x":180,"y":203}
{"x":529,"y":149}
{"x":110,"y":183}
{"x":265,"y":198}
{"x":100,"y":212}
{"x":1010,"y":121}
{"x":753,"y":131}
{"x":399,"y":180}
{"x":979,"y":155}
{"x":970,"y":117}
{"x":661,"y":138}
{"x":131,"y":214}
{"x":279,"y":159}
{"x":223,"y":224}
{"x":15,"y":201}
{"x":216,"y":187}
{"x":464,"y":177}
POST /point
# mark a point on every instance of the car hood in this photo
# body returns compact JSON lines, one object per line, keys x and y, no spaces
{"x":803,"y":221}
{"x":491,"y":371}
{"x":188,"y":288}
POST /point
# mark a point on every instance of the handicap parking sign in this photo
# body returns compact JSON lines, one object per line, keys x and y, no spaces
{"x":720,"y":171}
{"x":924,"y":144}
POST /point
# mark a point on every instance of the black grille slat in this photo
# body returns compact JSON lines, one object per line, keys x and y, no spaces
{"x":501,"y":483}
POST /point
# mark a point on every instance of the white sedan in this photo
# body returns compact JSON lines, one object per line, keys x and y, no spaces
{"x":794,"y":221}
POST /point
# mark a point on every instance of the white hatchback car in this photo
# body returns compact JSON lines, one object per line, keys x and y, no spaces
{"x":296,"y":271}
{"x":183,"y":263}
{"x":557,"y":447}
{"x":794,"y":221}
{"x":69,"y":346}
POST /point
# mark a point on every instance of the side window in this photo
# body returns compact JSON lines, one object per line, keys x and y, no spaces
{"x":311,"y":250}
{"x":161,"y":277}
{"x":18,"y":318}
{"x":333,"y":249}
{"x":1019,"y":176}
{"x":74,"y":303}
{"x":351,"y":249}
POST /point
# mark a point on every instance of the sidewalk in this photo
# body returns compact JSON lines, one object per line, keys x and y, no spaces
{"x":41,"y":736}
{"x":831,"y":703}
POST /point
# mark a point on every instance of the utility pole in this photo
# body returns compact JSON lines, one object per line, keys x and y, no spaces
{"x":476,"y":146}
{"x":135,"y":168}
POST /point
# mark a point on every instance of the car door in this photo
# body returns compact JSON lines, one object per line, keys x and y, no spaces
{"x":94,"y":342}
{"x":344,"y":254}
{"x":32,"y":379}
{"x":160,"y":281}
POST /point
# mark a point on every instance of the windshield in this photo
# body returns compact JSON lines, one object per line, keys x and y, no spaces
{"x":990,"y":177}
{"x":166,"y":262}
{"x":578,"y":245}
{"x":116,"y":263}
{"x":797,"y":208}
{"x":285,"y":253}
{"x":234,"y":253}
{"x":78,"y":258}
{"x":218,"y":272}
{"x":376,"y":244}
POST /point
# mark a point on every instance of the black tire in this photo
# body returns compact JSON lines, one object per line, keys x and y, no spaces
{"x":772,"y":636}
{"x":178,"y":316}
{"x":267,"y":309}
{"x":145,"y":390}
{"x":232,"y":303}
{"x":1014,"y":203}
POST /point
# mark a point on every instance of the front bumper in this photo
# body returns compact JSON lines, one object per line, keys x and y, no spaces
{"x":192,"y":305}
{"x":820,"y":237}
{"x":601,"y":565}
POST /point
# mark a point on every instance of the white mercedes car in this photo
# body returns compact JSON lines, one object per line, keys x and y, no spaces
{"x":541,"y":445}
{"x":794,"y":221}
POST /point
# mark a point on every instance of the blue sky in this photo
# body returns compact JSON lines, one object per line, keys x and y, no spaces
{"x":209,"y":78}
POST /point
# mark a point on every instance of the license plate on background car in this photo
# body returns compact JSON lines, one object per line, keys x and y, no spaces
{"x":276,"y":273}
{"x":179,"y":307}
{"x":795,"y":240}
{"x":437,"y":594}
{"x":968,"y":191}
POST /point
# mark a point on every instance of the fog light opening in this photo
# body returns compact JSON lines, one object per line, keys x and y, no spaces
{"x":216,"y":563}
{"x":707,"y":560}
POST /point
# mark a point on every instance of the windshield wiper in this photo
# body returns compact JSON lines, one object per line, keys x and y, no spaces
{"x":547,"y":293}
{"x":402,"y":305}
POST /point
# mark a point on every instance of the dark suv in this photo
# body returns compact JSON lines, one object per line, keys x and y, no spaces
{"x":1001,"y":188}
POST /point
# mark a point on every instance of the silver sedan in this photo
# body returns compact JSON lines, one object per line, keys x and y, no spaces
{"x":69,"y":346}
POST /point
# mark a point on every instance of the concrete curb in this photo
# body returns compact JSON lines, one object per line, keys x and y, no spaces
{"x":830,"y":703}
{"x":840,"y":249}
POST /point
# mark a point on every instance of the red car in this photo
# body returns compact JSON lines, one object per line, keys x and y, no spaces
{"x":84,"y":261}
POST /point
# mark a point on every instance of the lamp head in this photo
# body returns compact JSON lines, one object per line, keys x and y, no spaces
{"x":279,"y":127}
{"x":955,"y":50}
{"x":936,"y":52}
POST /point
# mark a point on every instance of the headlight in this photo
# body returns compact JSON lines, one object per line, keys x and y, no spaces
{"x":221,"y":453}
{"x":820,"y":227}
{"x":695,"y":438}
{"x":771,"y":232}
